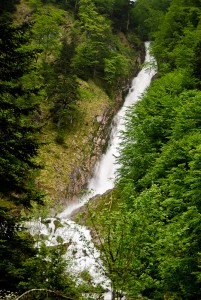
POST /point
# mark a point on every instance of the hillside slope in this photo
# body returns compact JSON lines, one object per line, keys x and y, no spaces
{"x":75,"y":130}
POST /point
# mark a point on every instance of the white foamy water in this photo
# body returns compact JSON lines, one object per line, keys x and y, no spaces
{"x":81,"y":253}
{"x":105,"y":169}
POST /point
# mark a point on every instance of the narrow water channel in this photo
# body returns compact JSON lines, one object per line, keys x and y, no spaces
{"x":81,"y":252}
{"x":104,"y":174}
{"x":105,"y":169}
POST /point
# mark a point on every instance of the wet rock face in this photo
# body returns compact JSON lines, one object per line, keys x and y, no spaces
{"x":82,"y":172}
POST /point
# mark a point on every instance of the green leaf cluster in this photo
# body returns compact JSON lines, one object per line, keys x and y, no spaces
{"x":100,"y":54}
{"x":40,"y":63}
{"x":19,"y":104}
{"x":19,"y":140}
{"x":178,"y":39}
{"x":159,"y":177}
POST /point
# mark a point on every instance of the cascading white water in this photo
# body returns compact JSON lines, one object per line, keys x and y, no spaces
{"x":105,"y":169}
{"x":81,"y":251}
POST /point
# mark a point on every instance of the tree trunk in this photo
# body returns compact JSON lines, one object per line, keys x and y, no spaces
{"x":75,"y":7}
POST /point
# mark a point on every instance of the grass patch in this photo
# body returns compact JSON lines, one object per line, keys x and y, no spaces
{"x":96,"y":206}
{"x":65,"y":150}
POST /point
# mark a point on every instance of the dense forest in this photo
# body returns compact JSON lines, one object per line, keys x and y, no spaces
{"x":62,"y":63}
{"x":158,"y":185}
{"x":55,"y":56}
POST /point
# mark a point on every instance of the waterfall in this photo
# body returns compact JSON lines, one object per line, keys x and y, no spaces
{"x":104,"y":174}
{"x":81,"y":251}
{"x":105,"y":169}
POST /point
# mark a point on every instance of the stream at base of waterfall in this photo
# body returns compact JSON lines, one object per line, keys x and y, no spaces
{"x":81,"y":254}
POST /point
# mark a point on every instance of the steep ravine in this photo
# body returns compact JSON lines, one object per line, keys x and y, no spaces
{"x":81,"y":252}
{"x":68,"y":167}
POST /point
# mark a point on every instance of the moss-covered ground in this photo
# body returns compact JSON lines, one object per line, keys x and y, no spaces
{"x":62,"y":151}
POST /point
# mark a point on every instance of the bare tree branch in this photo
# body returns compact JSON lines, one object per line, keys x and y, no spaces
{"x":43,"y":290}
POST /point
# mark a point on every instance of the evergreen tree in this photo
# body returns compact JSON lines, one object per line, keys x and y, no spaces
{"x":19,"y":86}
{"x":90,"y":54}
{"x":160,"y":175}
{"x":19,"y":110}
{"x":63,"y":90}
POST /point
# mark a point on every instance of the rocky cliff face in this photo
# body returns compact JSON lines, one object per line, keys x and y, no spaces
{"x":68,"y":166}
{"x":82,"y":172}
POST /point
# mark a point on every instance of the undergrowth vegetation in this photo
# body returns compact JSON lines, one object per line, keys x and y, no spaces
{"x":158,"y":184}
{"x":62,"y":64}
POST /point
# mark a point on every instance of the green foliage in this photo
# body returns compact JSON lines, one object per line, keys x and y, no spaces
{"x":160,"y":184}
{"x":116,"y":69}
{"x":149,"y":126}
{"x":161,"y":187}
{"x":122,"y":15}
{"x":63,"y":88}
{"x":46,"y":31}
{"x":96,"y":34}
{"x":104,"y":6}
{"x":175,"y":44}
{"x":48,"y":270}
{"x":19,"y":144}
{"x":85,"y":60}
{"x":159,"y":180}
{"x":112,"y":228}
{"x":87,"y":48}
{"x":19,"y":107}
{"x":35,"y":4}
{"x":148,"y":15}
{"x":15,"y":248}
{"x":100,"y":54}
